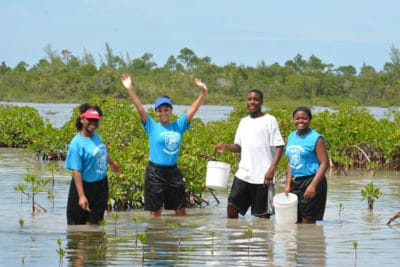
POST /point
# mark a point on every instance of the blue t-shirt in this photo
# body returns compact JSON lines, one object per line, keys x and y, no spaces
{"x":89,"y":156}
{"x":300,"y":151}
{"x":165,"y":140}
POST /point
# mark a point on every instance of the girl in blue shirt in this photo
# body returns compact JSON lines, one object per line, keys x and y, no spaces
{"x":164,"y":184}
{"x":308,"y":162}
{"x":87,"y":157}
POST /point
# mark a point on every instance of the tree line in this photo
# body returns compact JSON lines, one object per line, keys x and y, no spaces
{"x":64,"y":77}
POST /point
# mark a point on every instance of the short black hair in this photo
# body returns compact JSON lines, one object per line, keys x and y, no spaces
{"x":256,"y":91}
{"x":304,"y":109}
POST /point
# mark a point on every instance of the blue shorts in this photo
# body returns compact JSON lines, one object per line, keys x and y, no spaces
{"x":244,"y":194}
{"x":164,"y":187}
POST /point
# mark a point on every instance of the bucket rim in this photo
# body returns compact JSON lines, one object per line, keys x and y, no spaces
{"x":216,"y":163}
{"x":281,"y":199}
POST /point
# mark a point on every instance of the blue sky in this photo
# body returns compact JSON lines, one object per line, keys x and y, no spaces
{"x":339,"y":32}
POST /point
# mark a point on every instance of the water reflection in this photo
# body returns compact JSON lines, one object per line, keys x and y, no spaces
{"x":285,"y":243}
{"x":86,"y":247}
{"x":205,"y":237}
{"x":311,"y":245}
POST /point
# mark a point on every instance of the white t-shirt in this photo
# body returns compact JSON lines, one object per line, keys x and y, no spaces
{"x":257,"y":138}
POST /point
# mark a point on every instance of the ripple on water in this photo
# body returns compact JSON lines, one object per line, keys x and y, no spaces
{"x":205,"y":237}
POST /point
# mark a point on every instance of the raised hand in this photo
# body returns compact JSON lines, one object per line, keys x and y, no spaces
{"x":202,"y":85}
{"x":126,"y":81}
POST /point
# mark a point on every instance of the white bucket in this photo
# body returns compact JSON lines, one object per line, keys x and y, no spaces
{"x":285,"y":208}
{"x":217,"y":174}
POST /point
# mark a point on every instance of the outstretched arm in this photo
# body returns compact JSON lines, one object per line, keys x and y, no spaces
{"x":230,"y":147}
{"x":127,"y":82}
{"x":196,"y":104}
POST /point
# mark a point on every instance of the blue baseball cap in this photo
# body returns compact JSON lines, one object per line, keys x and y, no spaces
{"x":162,"y":101}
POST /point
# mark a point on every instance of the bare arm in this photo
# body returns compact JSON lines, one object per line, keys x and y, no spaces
{"x":196,"y":104}
{"x":127,"y":82}
{"x":83,"y":202}
{"x":322,"y":155}
{"x":289,"y":177}
{"x":269,"y":175}
{"x":114,"y":165}
{"x":232,"y":148}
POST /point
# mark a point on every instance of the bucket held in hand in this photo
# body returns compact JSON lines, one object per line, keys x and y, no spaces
{"x":217,"y":174}
{"x":285,"y":208}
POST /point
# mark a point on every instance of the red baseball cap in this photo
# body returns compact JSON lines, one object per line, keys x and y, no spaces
{"x":91,"y":114}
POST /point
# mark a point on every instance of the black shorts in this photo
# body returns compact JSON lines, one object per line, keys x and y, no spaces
{"x":244,"y":194}
{"x":310,"y":208}
{"x":97,"y":195}
{"x":164,"y":186}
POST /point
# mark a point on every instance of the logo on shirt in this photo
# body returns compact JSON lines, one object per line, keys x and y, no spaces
{"x":171,"y":140}
{"x":294,"y":156}
{"x":100,"y":153}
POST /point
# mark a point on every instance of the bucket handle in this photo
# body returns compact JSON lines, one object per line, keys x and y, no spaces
{"x":207,"y":157}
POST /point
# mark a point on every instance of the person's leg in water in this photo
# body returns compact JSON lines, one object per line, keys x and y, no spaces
{"x":305,"y":220}
{"x":180,"y":212}
{"x":155,"y":214}
{"x":232,"y":212}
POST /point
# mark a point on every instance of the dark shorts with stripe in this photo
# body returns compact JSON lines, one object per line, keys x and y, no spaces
{"x":310,"y":208}
{"x":244,"y":194}
{"x":164,"y":187}
{"x":97,"y":195}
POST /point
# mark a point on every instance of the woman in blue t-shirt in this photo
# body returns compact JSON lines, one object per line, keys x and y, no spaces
{"x":164,"y":186}
{"x":308,"y":162}
{"x":87,"y":157}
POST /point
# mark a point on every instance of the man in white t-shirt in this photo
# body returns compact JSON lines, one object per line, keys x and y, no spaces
{"x":260,"y":144}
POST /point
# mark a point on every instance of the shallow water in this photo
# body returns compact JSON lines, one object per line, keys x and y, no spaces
{"x":205,"y":237}
{"x":59,"y":113}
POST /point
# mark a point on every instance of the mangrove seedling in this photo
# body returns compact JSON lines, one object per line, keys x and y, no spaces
{"x":60,"y":252}
{"x":355,"y":246}
{"x":50,"y":196}
{"x":340,"y":209}
{"x":176,"y":227}
{"x":53,"y":168}
{"x":296,"y":256}
{"x":269,"y":252}
{"x":115,"y":217}
{"x":32,"y":186}
{"x":143,"y":239}
{"x":212,"y":233}
{"x":100,"y":252}
{"x":103,"y":224}
{"x":136,"y":220}
{"x":370,"y":192}
{"x":249,"y":234}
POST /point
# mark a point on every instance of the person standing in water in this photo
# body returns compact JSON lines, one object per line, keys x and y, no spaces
{"x":308,"y":162}
{"x":164,"y":186}
{"x":87,"y":157}
{"x":260,"y":144}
